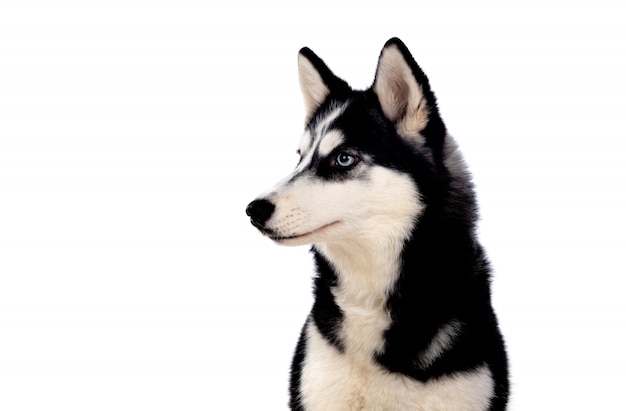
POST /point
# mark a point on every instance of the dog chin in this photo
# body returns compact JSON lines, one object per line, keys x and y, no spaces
{"x":316,"y":236}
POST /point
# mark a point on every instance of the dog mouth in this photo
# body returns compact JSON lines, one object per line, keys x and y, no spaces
{"x":271,"y":234}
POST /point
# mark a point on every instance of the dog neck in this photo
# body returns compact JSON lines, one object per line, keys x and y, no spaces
{"x":365,"y":270}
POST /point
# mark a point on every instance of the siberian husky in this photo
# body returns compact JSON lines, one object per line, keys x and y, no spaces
{"x":402,"y":318}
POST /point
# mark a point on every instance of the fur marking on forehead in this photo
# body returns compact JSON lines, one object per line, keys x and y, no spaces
{"x":330,"y":140}
{"x":319,"y":128}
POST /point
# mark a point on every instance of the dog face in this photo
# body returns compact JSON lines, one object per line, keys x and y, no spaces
{"x":359,"y":157}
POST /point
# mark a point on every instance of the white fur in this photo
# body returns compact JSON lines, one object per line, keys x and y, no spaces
{"x":334,"y":381}
{"x":345,"y":215}
{"x":400,"y":96}
{"x":306,"y":142}
{"x":329,"y":142}
{"x":441,"y":342}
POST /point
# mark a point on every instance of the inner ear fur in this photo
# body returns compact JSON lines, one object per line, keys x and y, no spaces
{"x":318,"y":82}
{"x":400,"y":94}
{"x":314,"y":90}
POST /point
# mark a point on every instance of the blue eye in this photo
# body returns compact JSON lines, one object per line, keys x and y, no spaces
{"x":345,"y":160}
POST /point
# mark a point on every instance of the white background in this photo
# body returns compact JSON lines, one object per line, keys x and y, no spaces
{"x":134,"y":133}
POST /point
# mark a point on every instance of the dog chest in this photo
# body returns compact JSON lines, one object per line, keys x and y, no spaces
{"x":332,"y":380}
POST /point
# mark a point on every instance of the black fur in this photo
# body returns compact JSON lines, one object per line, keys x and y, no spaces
{"x":444,"y":276}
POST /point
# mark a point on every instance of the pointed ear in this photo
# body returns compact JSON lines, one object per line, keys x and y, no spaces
{"x":316,"y":81}
{"x":403,"y":90}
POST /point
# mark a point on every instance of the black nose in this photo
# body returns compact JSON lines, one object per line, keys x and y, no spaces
{"x":260,"y":211}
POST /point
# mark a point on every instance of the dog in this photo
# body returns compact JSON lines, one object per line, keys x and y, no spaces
{"x":402,"y":316}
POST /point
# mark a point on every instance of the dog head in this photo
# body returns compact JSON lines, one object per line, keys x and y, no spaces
{"x":369,"y":160}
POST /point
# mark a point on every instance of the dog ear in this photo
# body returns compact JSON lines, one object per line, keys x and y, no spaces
{"x":403,"y":91}
{"x":317,"y":82}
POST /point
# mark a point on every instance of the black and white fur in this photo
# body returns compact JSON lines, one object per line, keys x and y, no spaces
{"x":402,"y":318}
